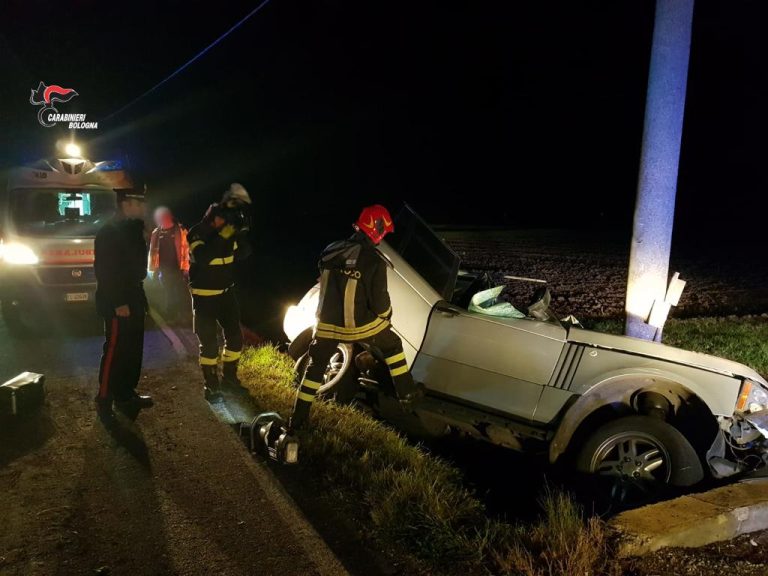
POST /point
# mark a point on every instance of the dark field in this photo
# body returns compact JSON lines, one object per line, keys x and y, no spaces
{"x":587,"y":272}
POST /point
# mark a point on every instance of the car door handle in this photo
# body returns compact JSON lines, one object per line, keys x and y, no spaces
{"x":447,"y":310}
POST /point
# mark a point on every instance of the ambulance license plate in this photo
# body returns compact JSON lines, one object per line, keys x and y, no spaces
{"x":77,"y":296}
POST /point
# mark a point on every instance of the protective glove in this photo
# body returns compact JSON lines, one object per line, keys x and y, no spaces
{"x":227,"y":231}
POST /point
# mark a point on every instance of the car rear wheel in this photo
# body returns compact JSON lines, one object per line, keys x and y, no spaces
{"x":637,"y":459}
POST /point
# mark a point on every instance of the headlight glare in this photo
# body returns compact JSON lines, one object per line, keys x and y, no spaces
{"x":302,"y":316}
{"x":16,"y":253}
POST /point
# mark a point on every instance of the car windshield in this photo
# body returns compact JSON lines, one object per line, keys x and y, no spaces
{"x":71,"y":212}
{"x":418,"y":245}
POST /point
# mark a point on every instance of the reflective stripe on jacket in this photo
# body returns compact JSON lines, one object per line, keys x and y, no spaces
{"x":354,"y":300}
{"x":212,"y":258}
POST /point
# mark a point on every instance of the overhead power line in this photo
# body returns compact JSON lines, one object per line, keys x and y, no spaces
{"x":192,"y":60}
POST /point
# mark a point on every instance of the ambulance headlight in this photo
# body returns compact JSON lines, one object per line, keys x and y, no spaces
{"x":16,"y":253}
{"x":73,"y":150}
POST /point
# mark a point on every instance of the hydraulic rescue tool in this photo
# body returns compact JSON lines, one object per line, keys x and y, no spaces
{"x":268,"y":432}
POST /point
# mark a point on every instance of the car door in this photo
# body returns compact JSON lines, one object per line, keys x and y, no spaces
{"x":422,"y":271}
{"x":489,"y":362}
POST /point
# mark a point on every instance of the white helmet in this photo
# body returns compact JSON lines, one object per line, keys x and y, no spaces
{"x":236,"y":193}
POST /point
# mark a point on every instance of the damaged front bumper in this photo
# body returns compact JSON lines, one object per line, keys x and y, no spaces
{"x":741,"y":444}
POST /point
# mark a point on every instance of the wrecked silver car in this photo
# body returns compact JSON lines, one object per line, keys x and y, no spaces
{"x":640,"y":415}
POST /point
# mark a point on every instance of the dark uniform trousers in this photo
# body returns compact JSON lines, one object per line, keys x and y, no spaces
{"x":123,"y":351}
{"x":120,"y":266}
{"x":210,"y":313}
{"x":175,"y":291}
{"x":322,"y":349}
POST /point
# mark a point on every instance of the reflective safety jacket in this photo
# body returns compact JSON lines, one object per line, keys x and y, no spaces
{"x":180,"y":242}
{"x":212,"y":254}
{"x":354,"y":301}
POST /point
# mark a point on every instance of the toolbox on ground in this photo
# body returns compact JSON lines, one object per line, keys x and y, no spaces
{"x":22,"y":394}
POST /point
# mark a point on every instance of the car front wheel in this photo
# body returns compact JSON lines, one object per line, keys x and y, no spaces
{"x":340,"y":377}
{"x":636,"y":460}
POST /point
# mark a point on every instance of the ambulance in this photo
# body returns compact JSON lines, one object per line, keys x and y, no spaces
{"x":50,"y":212}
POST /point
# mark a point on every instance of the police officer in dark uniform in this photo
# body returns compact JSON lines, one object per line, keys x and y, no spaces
{"x":354,"y":306}
{"x":214,"y":245}
{"x":121,"y":265}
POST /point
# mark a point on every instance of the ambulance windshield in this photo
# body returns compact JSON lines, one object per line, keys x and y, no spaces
{"x":70,"y":213}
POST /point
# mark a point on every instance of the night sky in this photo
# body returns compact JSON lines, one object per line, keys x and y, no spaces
{"x":475,"y":112}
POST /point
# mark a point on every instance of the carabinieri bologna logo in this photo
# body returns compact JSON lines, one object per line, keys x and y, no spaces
{"x":47,"y":97}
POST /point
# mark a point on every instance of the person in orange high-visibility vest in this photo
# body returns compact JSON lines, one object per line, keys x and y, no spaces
{"x":168,"y":261}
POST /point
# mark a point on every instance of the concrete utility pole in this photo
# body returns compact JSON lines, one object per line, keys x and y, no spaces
{"x":657,"y":181}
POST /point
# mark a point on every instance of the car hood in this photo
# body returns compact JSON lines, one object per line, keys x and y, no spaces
{"x":664,"y":352}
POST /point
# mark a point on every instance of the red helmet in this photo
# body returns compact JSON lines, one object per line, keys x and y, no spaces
{"x":375,"y":222}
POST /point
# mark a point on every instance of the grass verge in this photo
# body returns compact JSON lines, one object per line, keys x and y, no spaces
{"x":416,"y":501}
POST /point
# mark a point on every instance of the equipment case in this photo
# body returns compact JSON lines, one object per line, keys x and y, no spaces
{"x":22,"y":394}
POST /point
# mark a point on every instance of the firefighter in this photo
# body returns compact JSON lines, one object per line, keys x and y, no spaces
{"x":169,"y":261}
{"x":355,"y":307}
{"x":214,"y":245}
{"x":121,"y":265}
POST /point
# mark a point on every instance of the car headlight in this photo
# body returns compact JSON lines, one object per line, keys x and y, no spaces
{"x":297,"y":320}
{"x":752,"y":397}
{"x":15,"y":253}
{"x":302,"y":316}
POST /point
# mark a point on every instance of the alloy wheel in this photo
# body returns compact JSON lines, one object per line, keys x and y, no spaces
{"x":637,"y":465}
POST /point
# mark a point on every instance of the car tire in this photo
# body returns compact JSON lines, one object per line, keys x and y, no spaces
{"x":638,"y":459}
{"x":340,"y":382}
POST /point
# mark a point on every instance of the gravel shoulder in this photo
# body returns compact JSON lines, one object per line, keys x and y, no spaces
{"x":743,"y":556}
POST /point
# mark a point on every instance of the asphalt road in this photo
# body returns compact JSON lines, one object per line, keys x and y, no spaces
{"x":174,"y":492}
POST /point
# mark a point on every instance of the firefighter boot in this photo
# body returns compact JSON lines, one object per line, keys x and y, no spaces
{"x":300,"y":418}
{"x":409,"y":392}
{"x":230,"y":380}
{"x":229,"y":375}
{"x":212,"y":387}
